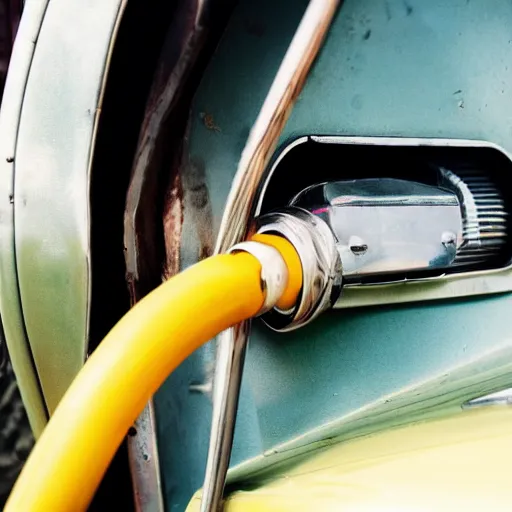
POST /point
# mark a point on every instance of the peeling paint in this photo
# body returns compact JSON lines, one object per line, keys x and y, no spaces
{"x":209,"y":122}
{"x":198,"y":202}
{"x":173,"y":224}
{"x":165,"y":186}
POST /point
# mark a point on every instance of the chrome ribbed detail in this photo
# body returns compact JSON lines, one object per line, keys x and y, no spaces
{"x":485,"y":217}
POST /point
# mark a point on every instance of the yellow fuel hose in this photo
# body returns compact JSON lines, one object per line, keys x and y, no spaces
{"x":130,"y":364}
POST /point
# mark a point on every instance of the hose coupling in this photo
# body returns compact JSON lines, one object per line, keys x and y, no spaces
{"x":315,"y":244}
{"x":274,"y":272}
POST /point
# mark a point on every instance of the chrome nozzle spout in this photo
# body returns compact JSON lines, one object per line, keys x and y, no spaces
{"x":321,"y":265}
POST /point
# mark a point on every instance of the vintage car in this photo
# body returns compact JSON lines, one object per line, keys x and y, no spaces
{"x":340,"y":170}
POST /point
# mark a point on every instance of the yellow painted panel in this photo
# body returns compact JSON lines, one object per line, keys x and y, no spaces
{"x":457,"y":463}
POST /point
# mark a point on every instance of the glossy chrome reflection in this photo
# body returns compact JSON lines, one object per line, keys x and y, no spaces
{"x":385,"y":225}
{"x":240,"y":208}
{"x":144,"y":462}
{"x":485,"y":219}
{"x":321,"y":265}
{"x":226,"y":392}
{"x":499,"y":398}
{"x":10,"y":300}
{"x":274,"y":272}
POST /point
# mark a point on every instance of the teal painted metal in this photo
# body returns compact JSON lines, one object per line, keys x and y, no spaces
{"x":388,"y":68}
{"x":51,"y":196}
{"x":417,"y":69}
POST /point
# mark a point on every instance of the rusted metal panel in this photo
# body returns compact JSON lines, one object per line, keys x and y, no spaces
{"x":154,"y":213}
{"x":173,"y":224}
{"x":143,"y":227}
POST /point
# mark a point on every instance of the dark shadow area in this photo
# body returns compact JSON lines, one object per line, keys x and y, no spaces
{"x":139,"y":42}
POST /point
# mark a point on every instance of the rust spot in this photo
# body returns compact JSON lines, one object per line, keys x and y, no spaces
{"x":209,"y":122}
{"x":173,"y":226}
{"x":187,"y":193}
{"x":132,"y":288}
{"x":198,"y":199}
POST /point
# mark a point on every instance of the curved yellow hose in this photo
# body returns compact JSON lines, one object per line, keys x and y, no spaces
{"x":127,"y":368}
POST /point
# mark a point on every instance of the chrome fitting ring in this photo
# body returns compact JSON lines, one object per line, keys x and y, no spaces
{"x":321,"y":265}
{"x":274,"y":272}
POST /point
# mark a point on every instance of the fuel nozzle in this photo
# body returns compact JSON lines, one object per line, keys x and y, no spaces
{"x":388,"y":226}
{"x":378,"y":230}
{"x":315,"y":244}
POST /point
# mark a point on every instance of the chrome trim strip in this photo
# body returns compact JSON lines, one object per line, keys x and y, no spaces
{"x":226,"y":392}
{"x":10,"y":300}
{"x":408,"y":141}
{"x":503,"y":397}
{"x":145,"y":463}
{"x":280,"y":157}
{"x":54,"y":154}
{"x":240,"y":207}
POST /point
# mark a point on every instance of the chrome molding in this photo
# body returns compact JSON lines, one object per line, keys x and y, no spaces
{"x":471,"y":227}
{"x":239,"y":209}
{"x":54,"y":153}
{"x":10,"y":300}
{"x":144,"y":462}
{"x":408,"y":290}
{"x":503,"y":397}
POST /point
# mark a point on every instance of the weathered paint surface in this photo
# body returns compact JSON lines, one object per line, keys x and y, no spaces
{"x":387,"y":69}
{"x":163,"y":181}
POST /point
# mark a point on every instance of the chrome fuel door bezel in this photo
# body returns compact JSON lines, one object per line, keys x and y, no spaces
{"x":446,"y":286}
